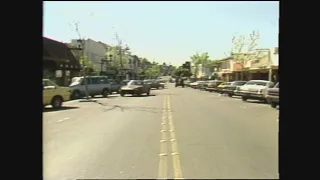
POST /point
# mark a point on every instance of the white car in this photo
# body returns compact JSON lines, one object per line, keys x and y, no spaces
{"x":196,"y":84}
{"x":255,"y":89}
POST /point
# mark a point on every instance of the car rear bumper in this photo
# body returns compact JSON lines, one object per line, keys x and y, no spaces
{"x":251,"y":95}
{"x":229,"y":91}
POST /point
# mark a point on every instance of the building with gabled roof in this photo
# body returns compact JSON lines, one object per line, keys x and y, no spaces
{"x":59,"y":64}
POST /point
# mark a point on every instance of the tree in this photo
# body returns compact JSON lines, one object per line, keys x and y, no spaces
{"x":182,"y":72}
{"x":197,"y":59}
{"x":153,"y":72}
{"x":244,"y":49}
{"x":91,"y":67}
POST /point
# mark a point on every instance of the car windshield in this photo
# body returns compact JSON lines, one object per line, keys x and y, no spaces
{"x":225,"y":83}
{"x":238,"y":83}
{"x":133,"y":82}
{"x":277,"y":85}
{"x":257,"y":83}
{"x":49,"y":83}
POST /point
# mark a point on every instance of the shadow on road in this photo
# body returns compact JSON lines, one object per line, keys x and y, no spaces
{"x":109,"y":96}
{"x":256,"y":101}
{"x":50,"y":109}
{"x":142,"y":96}
{"x":167,"y":94}
{"x":155,"y":89}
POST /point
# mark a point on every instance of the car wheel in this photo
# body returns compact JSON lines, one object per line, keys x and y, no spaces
{"x":56,"y":102}
{"x":105,"y":93}
{"x":273,"y":104}
{"x":244,"y":98}
{"x":122,"y":94}
{"x":92,"y":96}
{"x":230,"y":95}
{"x":75,"y":94}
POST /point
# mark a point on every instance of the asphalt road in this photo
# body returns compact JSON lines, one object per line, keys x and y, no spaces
{"x":175,"y":133}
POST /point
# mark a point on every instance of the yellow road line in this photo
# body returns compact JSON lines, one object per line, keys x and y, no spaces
{"x":163,"y":163}
{"x":174,"y":146}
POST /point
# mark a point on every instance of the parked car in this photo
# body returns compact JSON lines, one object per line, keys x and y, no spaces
{"x":202,"y":85}
{"x":115,"y":85}
{"x":255,"y":89}
{"x":194,"y":84}
{"x":53,"y":94}
{"x":273,"y":95}
{"x":135,"y":87}
{"x":124,"y":83}
{"x":162,"y":83}
{"x":153,"y":83}
{"x":213,"y":84}
{"x":229,"y":89}
{"x":222,"y":86}
{"x":97,"y":85}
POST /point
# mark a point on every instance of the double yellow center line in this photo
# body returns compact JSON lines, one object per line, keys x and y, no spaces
{"x":168,"y":137}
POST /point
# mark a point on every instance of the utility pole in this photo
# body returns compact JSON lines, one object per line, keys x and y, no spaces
{"x":81,"y":43}
{"x":121,"y":50}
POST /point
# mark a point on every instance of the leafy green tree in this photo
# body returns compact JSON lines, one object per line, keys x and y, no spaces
{"x":244,"y":49}
{"x":153,"y":72}
{"x":182,"y":72}
{"x":91,"y":67}
{"x":197,"y":59}
{"x":119,"y":58}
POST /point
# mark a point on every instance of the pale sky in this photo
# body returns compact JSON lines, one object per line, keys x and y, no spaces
{"x":164,"y":31}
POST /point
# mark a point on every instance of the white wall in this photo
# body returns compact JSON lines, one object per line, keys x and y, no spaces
{"x":203,"y":71}
{"x":274,"y":57}
{"x":94,"y":50}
